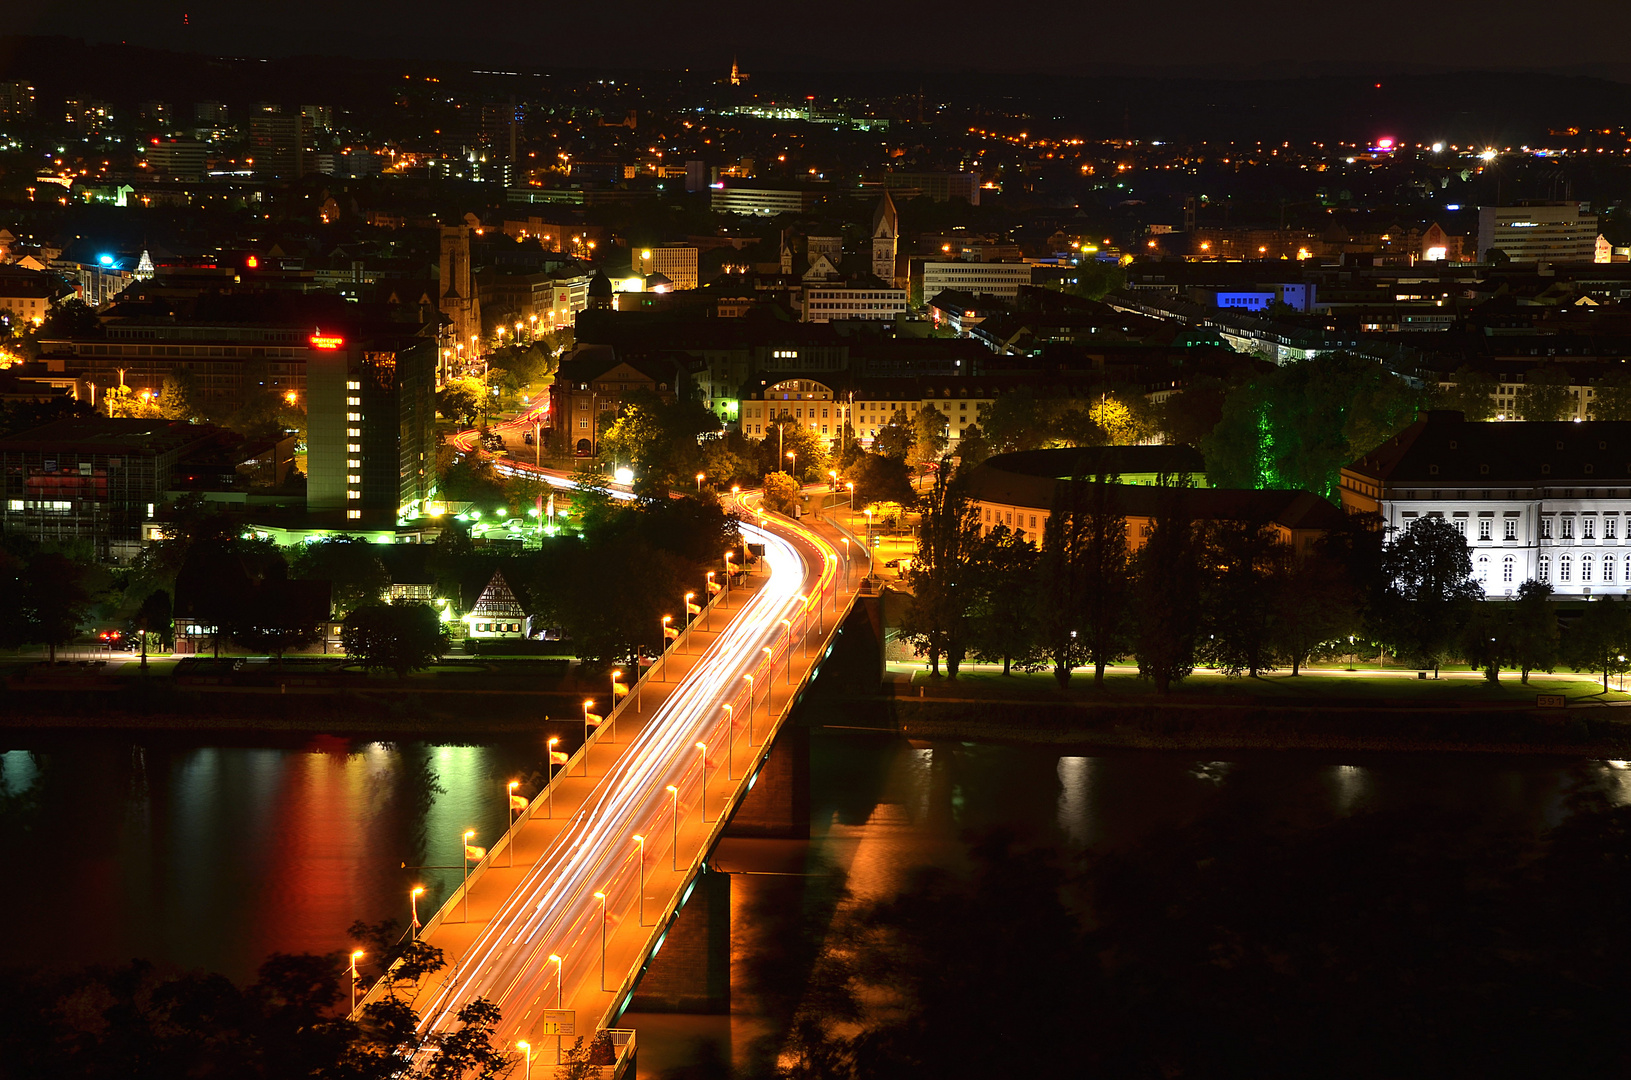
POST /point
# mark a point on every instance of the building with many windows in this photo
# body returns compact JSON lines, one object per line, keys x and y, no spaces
{"x":762,"y":201}
{"x":370,"y":421}
{"x":1544,"y":500}
{"x":865,"y":298}
{"x":1538,"y":232}
{"x":991,"y":278}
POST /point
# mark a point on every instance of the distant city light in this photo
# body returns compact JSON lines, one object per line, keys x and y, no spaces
{"x":106,"y":260}
{"x":624,"y":475}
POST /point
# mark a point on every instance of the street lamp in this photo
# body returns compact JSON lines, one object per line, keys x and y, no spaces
{"x":641,"y":841}
{"x":356,"y":954}
{"x":555,"y":758}
{"x":793,"y":456}
{"x":789,"y":624}
{"x":526,"y":1048}
{"x":713,"y":589}
{"x":674,"y":852}
{"x":699,"y":483}
{"x":556,"y":960}
{"x":851,"y":485}
{"x":514,"y":798}
{"x":702,"y":751}
{"x":590,"y":720}
{"x":730,"y":741}
{"x":602,"y":898}
{"x":413,"y":907}
{"x":669,"y":634}
{"x":749,"y":678}
{"x":469,"y":834}
{"x":729,"y":555}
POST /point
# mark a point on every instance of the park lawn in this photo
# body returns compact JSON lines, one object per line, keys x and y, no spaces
{"x":1451,"y":687}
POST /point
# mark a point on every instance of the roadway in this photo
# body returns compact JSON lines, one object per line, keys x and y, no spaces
{"x":722,"y":686}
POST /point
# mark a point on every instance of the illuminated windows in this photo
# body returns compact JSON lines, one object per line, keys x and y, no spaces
{"x":353,"y":515}
{"x":354,"y":417}
{"x":353,"y":432}
{"x":353,"y":384}
{"x":353,"y":494}
{"x":1511,"y":532}
{"x":1485,"y":528}
{"x":353,"y":401}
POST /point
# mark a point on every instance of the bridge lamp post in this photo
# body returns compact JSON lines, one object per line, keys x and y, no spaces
{"x":729,"y":555}
{"x":690,"y":596}
{"x":602,"y":898}
{"x":730,"y":741}
{"x":526,"y":1048}
{"x":556,"y":960}
{"x":674,"y":853}
{"x":789,"y":624}
{"x":749,"y":678}
{"x":708,"y":615}
{"x":356,"y":955}
{"x":554,"y":741}
{"x":464,"y":843}
{"x":509,"y":848}
{"x":413,"y":907}
{"x":589,"y":720}
{"x":702,"y":752}
{"x":851,"y":485}
{"x":669,"y":633}
{"x":641,"y":841}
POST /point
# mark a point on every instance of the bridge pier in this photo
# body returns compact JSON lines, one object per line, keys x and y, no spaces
{"x":691,"y":972}
{"x":777,"y":807}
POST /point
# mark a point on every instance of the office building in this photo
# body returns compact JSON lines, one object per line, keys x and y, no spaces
{"x":990,"y":278}
{"x":676,"y":262}
{"x":370,"y":422}
{"x":95,"y":479}
{"x":16,"y":100}
{"x":941,"y":187}
{"x":278,"y":144}
{"x":175,"y":159}
{"x":1537,"y":232}
{"x":1549,"y":501}
{"x":868,"y":298}
{"x":763,"y":201}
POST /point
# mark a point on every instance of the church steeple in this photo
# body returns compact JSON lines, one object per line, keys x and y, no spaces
{"x":885,"y":239}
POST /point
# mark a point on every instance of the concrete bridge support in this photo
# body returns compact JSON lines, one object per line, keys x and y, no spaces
{"x":777,"y":807}
{"x":691,"y":972}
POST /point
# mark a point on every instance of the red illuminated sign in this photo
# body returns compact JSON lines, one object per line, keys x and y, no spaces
{"x":326,"y":341}
{"x":252,"y":262}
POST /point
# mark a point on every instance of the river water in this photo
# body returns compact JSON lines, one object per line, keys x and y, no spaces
{"x":199,"y":853}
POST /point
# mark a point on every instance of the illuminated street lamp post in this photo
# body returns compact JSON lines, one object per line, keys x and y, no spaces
{"x":618,"y":689}
{"x":730,"y":741}
{"x":669,"y":634}
{"x":526,"y":1048}
{"x":789,"y":638}
{"x":729,"y":555}
{"x":702,"y":751}
{"x":699,"y":483}
{"x":413,"y":908}
{"x":851,"y":485}
{"x":602,"y":898}
{"x":691,"y":610}
{"x":674,"y":852}
{"x":590,"y":720}
{"x":556,"y":960}
{"x":749,"y":678}
{"x":509,"y":849}
{"x":555,"y":758}
{"x":469,"y":834}
{"x":641,"y":857}
{"x":793,"y":456}
{"x":356,"y":954}
{"x":713,"y":588}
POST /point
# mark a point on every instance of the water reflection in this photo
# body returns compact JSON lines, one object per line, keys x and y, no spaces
{"x":215,"y":856}
{"x":1073,"y":779}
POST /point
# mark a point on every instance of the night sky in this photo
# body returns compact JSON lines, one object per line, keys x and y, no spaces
{"x":1198,"y":37}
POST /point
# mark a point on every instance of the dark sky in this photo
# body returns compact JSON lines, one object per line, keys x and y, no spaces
{"x":1203,"y":37}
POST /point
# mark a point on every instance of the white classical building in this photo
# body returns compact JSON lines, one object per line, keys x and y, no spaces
{"x":1548,"y":501}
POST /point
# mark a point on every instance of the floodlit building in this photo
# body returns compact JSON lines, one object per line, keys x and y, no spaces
{"x":1538,"y":232}
{"x":676,"y":262}
{"x":496,"y":614}
{"x":762,"y":201}
{"x":1544,"y":500}
{"x":991,"y":278}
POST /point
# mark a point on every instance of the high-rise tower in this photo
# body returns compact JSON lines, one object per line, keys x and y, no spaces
{"x":458,"y":290}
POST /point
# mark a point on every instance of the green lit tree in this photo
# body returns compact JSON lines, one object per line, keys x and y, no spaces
{"x":781,"y":493}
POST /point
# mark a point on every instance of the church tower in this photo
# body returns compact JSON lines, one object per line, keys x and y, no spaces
{"x":458,"y":289}
{"x":885,"y":239}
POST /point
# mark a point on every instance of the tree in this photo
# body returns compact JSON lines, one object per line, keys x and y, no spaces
{"x":897,"y":437}
{"x":278,"y":614}
{"x":929,"y":438}
{"x":972,"y":446}
{"x":781,"y":493}
{"x":1014,"y":421}
{"x":1484,"y":642}
{"x":1612,"y":400}
{"x":1601,"y":639}
{"x":154,"y":616}
{"x":1533,"y":629}
{"x":592,"y":501}
{"x":177,"y":397}
{"x":469,"y":1051}
{"x":1314,"y":601}
{"x":471,"y":478}
{"x":1062,"y":581}
{"x":1105,"y":566}
{"x":460,"y":400}
{"x":879,"y":478}
{"x":1189,"y":416}
{"x":56,"y":598}
{"x":400,"y":637}
{"x":1545,"y":394}
{"x":1471,"y":392}
{"x":935,"y":619}
{"x":1166,"y":581}
{"x":1002,"y":606}
{"x":349,"y":565}
{"x":1247,"y":564}
{"x":1429,"y":589}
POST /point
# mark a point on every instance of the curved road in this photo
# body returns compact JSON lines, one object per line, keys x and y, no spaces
{"x":553,"y":911}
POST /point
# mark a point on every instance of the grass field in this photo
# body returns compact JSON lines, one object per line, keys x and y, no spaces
{"x":1332,"y":684}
